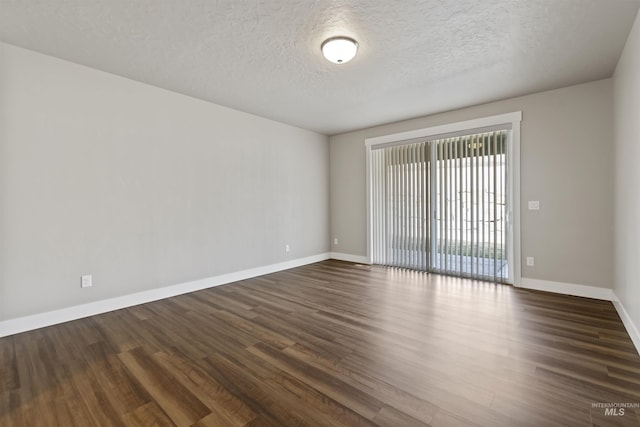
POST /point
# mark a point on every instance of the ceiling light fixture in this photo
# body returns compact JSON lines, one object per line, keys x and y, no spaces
{"x":339,"y":50}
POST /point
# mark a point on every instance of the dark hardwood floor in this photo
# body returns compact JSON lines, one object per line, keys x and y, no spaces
{"x":330,"y":344}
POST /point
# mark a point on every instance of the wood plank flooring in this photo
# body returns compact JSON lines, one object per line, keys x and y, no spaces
{"x":330,"y":344}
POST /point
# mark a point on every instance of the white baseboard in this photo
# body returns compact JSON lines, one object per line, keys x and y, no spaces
{"x":568,"y":289}
{"x":631,"y":327}
{"x":350,"y":258}
{"x":589,"y":292}
{"x":41,"y":320}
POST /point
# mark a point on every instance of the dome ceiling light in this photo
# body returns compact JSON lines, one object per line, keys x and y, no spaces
{"x":339,"y":50}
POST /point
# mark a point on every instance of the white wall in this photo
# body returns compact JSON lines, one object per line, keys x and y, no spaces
{"x":566,"y":164}
{"x":141,"y":187}
{"x":627,"y":179}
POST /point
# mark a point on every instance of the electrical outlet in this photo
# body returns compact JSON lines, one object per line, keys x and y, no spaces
{"x":287,"y":248}
{"x":335,"y":241}
{"x":530,"y":261}
{"x":86,"y":281}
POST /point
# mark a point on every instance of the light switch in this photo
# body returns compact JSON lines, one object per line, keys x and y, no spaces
{"x":534,"y":205}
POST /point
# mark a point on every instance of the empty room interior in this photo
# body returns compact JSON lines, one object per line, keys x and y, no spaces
{"x":322,"y":213}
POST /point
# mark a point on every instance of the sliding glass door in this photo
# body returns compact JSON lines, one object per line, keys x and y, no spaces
{"x":442,"y":205}
{"x":469,"y":198}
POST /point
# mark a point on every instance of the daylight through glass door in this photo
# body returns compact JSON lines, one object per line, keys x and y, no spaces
{"x":442,"y":206}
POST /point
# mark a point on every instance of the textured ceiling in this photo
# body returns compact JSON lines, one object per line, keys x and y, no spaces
{"x":263,"y":57}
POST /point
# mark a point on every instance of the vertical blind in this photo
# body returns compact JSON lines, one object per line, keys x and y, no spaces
{"x":401,"y":218}
{"x":441,"y":206}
